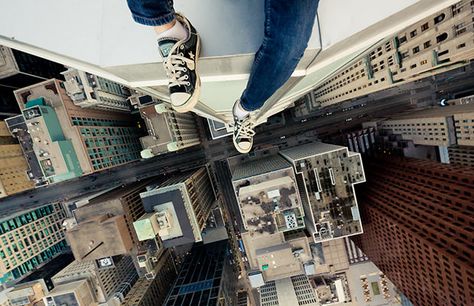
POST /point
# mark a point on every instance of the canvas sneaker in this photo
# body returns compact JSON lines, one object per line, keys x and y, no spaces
{"x":243,"y":133}
{"x":180,"y":62}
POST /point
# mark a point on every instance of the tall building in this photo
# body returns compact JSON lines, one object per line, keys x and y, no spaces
{"x":29,"y":240}
{"x":13,"y":165}
{"x":433,"y":44}
{"x":168,"y":130}
{"x":30,"y":293}
{"x":177,"y":208}
{"x":461,"y":155}
{"x":326,"y":176}
{"x":100,"y":139}
{"x":55,"y":154}
{"x":296,"y":290}
{"x":270,"y":205}
{"x":151,"y":292}
{"x":93,"y":282}
{"x":205,"y":278}
{"x":90,"y":91}
{"x":439,"y":126}
{"x":418,"y":227}
{"x":19,"y":69}
{"x":103,"y":225}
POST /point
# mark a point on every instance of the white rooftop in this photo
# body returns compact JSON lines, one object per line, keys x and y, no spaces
{"x":100,"y":37}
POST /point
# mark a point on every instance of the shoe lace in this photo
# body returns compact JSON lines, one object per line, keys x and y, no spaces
{"x":245,"y":128}
{"x":176,"y":65}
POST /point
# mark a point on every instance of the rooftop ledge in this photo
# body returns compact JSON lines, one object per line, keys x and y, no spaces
{"x":100,"y":37}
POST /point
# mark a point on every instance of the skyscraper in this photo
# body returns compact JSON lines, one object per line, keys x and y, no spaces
{"x":19,"y":69}
{"x":168,"y":130}
{"x":438,"y":126}
{"x":13,"y":165}
{"x":90,"y":91}
{"x":177,"y":208}
{"x":326,"y":176}
{"x":434,"y":44}
{"x":30,"y":239}
{"x":461,"y":155}
{"x":205,"y":278}
{"x":103,"y":226}
{"x":86,"y":283}
{"x":417,"y":217}
{"x":151,"y":292}
{"x":100,"y":139}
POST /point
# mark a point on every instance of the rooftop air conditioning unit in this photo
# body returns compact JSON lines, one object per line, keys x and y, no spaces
{"x":290,"y":220}
{"x":150,"y":275}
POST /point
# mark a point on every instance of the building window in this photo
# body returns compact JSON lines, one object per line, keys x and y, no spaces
{"x":425,"y":27}
{"x":439,"y":18}
{"x":461,"y":46}
{"x":460,"y":28}
{"x":443,"y":52}
{"x":413,"y":33}
{"x":416,"y":50}
{"x":427,"y":44}
{"x":402,"y":39}
{"x":442,"y":37}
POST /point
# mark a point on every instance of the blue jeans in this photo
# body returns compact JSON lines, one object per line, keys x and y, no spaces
{"x":288,"y":25}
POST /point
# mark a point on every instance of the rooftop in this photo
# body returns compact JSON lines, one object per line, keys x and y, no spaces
{"x":99,"y":237}
{"x":159,"y":134}
{"x":275,"y":257}
{"x":326,"y":175}
{"x":227,"y":51}
{"x":171,"y":202}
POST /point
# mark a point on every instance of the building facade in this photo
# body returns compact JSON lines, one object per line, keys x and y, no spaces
{"x":151,"y":292}
{"x":461,"y":155}
{"x":417,"y":227}
{"x":87,"y":283}
{"x":19,"y":69}
{"x":168,"y":131}
{"x":177,"y":208}
{"x":296,"y":290}
{"x":438,"y":126}
{"x":29,"y":240}
{"x":13,"y":165}
{"x":205,"y":278}
{"x":434,"y":44}
{"x":90,"y":91}
{"x":101,"y":139}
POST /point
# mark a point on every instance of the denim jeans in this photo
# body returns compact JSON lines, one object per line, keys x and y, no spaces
{"x":287,"y":29}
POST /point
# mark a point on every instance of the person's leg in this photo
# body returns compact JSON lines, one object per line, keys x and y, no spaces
{"x":288,"y":27}
{"x":156,"y":13}
{"x":179,"y":45}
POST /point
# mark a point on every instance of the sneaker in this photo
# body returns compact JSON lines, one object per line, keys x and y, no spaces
{"x":180,"y":62}
{"x":243,"y":133}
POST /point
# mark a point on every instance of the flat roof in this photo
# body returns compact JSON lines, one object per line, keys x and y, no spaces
{"x":309,"y":149}
{"x":259,"y":166}
{"x":151,"y":199}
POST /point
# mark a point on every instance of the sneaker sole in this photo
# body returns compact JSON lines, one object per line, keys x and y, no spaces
{"x":193,"y":100}
{"x":239,"y":149}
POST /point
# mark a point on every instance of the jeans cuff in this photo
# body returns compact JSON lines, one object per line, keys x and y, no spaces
{"x":245,"y":106}
{"x":154,"y":21}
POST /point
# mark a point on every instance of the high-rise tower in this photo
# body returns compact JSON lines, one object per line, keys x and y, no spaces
{"x":418,"y":224}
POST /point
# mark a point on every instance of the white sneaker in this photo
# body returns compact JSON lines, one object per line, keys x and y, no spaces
{"x":243,"y":133}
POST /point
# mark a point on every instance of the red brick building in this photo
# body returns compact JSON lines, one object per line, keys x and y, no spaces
{"x":418,"y":219}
